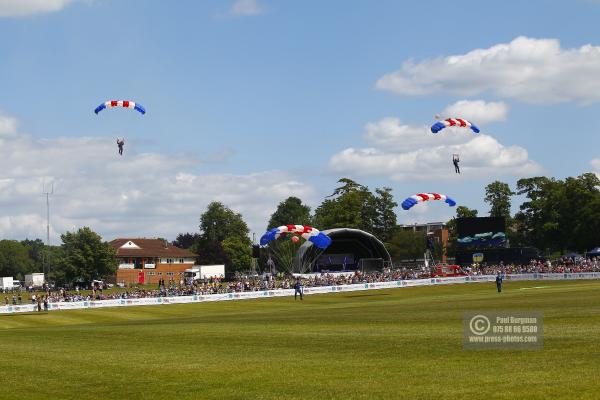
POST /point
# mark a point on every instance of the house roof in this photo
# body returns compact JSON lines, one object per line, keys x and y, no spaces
{"x":142,"y":247}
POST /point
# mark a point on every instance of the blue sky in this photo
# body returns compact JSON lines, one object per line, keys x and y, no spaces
{"x":251,"y":101}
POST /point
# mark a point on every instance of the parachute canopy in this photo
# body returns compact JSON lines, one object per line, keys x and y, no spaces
{"x":120,"y":103}
{"x":421,"y":197}
{"x":309,"y":233}
{"x":438,"y":126}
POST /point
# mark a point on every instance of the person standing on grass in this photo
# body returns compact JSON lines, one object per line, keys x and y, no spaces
{"x":499,"y":282}
{"x":297,"y":289}
{"x":46,"y":303}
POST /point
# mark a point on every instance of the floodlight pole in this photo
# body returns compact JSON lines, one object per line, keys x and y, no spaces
{"x":254,"y":261}
{"x":47,"y":194}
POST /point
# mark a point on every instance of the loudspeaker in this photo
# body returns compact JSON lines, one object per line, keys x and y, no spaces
{"x":255,"y":251}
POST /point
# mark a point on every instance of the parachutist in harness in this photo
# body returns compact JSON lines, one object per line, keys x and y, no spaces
{"x":455,"y":161}
{"x":120,"y":143}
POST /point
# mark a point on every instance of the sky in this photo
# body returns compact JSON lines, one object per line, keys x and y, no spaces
{"x":251,"y":101}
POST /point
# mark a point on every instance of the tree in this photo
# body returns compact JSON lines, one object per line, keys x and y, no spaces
{"x":187,"y":240}
{"x":14,"y":259}
{"x":210,"y":252}
{"x":559,"y":215}
{"x":465,"y":212}
{"x":579,"y":212}
{"x":239,"y":254}
{"x":407,"y":245}
{"x":219,"y":222}
{"x":498,"y":195}
{"x":290,"y":211}
{"x":352,"y":206}
{"x":384,"y":224}
{"x":225,"y":235}
{"x":85,"y":255}
{"x":36,"y":250}
{"x":533,"y":211}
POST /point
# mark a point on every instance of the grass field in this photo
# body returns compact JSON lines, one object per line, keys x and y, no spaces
{"x":396,"y":344}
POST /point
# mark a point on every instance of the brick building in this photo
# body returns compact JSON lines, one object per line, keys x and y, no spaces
{"x":145,"y":261}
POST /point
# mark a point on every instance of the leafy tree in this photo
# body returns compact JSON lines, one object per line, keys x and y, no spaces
{"x":219,"y":222}
{"x":352,"y":206}
{"x":579,"y":212}
{"x":533,"y":211}
{"x":85,"y":255}
{"x":465,"y":212}
{"x":36,"y":249}
{"x":224,"y":235}
{"x":187,"y":240}
{"x":239,"y":254}
{"x":14,"y":259}
{"x":407,"y":245}
{"x":210,"y":252}
{"x":498,"y":195}
{"x":559,"y":215}
{"x":290,"y":211}
{"x":384,"y":224}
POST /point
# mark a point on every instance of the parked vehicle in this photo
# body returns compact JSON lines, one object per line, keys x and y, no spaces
{"x":199,"y":272}
{"x":35,"y":280}
{"x":444,"y":270}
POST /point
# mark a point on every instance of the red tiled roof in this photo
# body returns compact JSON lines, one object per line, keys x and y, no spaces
{"x":149,"y":248}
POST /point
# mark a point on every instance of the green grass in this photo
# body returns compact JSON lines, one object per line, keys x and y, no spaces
{"x":396,"y":344}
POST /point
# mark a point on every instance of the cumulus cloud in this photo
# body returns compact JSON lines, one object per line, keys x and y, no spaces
{"x":8,"y":126}
{"x":20,"y":8}
{"x":477,"y":111}
{"x":146,"y":194}
{"x":528,"y":69}
{"x":596,"y":166}
{"x":404,"y":152}
{"x":246,"y":8}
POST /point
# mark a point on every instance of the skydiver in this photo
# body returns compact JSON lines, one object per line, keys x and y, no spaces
{"x":455,"y":161}
{"x":120,"y":143}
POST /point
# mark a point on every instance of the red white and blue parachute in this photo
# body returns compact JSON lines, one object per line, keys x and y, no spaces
{"x":421,"y":197}
{"x":309,"y":233}
{"x":120,"y":103}
{"x":438,"y":126}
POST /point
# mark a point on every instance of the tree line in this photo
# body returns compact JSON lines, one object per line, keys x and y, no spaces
{"x":555,"y":216}
{"x":82,"y":256}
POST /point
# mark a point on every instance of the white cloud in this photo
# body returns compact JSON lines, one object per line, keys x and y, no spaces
{"x":8,"y":126}
{"x":390,"y":133}
{"x":477,"y":111}
{"x":531,"y":70}
{"x":596,"y":166}
{"x":246,"y":7}
{"x":20,"y":8}
{"x":405,"y":152}
{"x":135,"y":195}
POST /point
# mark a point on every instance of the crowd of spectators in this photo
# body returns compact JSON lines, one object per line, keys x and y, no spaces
{"x":565,"y":265}
{"x":270,"y":282}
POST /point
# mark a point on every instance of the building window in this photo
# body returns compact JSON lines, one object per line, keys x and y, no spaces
{"x":169,"y":261}
{"x":181,"y":261}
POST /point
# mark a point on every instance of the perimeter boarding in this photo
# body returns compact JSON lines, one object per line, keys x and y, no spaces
{"x":147,"y":301}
